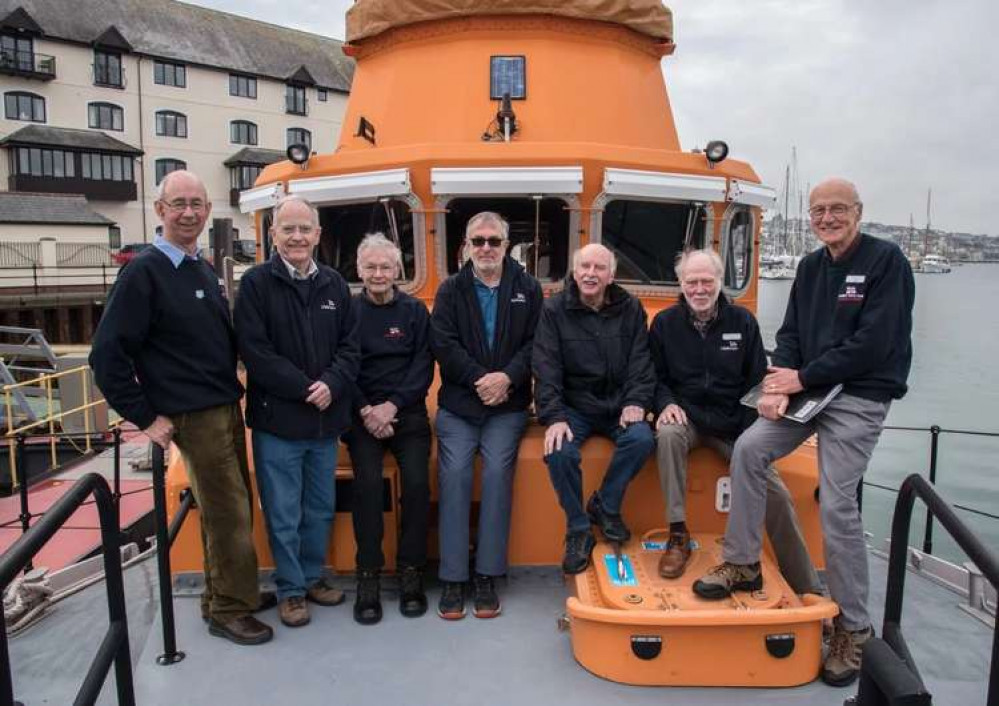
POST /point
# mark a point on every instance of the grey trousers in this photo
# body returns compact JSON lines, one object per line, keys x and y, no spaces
{"x":674,"y":443}
{"x":848,"y":431}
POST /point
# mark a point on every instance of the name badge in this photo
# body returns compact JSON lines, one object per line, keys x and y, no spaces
{"x":856,"y":279}
{"x":731,"y":336}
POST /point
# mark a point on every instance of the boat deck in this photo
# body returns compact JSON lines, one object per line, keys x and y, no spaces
{"x":520,"y":657}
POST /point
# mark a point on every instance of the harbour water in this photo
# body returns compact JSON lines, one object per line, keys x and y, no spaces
{"x":954,"y":384}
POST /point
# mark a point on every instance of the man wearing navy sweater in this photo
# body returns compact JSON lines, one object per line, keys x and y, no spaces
{"x":390,"y":413}
{"x":849,"y":322}
{"x":296,"y":328}
{"x":164,"y":356}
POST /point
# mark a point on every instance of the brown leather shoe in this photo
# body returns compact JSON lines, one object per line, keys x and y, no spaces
{"x":674,"y":559}
{"x":241,"y":629}
{"x":294,"y":611}
{"x":321,"y":593}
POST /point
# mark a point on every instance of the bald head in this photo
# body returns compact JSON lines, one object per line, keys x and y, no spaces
{"x":837,"y":184}
{"x":184,"y":176}
{"x":593,"y":268}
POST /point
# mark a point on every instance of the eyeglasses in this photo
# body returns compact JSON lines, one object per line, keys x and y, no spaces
{"x":479,"y":241}
{"x":388,"y":269}
{"x":179,"y":206}
{"x":837,"y":209}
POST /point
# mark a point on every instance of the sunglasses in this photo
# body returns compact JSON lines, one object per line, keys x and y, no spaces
{"x":479,"y":241}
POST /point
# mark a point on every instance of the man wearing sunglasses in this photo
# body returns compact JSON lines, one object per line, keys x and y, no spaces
{"x":849,"y":322}
{"x":164,"y":355}
{"x":482,"y":327}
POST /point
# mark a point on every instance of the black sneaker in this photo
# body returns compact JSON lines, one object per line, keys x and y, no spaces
{"x":611,"y":525}
{"x":368,"y":604}
{"x":486,"y":603}
{"x":412,"y":599}
{"x":452,"y":603}
{"x":578,"y":546}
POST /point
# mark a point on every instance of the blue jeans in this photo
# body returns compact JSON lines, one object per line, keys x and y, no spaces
{"x":632,"y":446}
{"x":295,"y":479}
{"x":497,"y":440}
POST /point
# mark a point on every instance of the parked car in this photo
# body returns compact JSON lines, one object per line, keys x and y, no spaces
{"x":127,"y":252}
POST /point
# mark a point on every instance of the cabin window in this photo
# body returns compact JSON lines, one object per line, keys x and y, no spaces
{"x":539,"y":231}
{"x":345,"y":225}
{"x":737,"y":249}
{"x":508,"y":74}
{"x":646,"y":237}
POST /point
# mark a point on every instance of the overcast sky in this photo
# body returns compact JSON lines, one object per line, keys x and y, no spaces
{"x":898,"y":96}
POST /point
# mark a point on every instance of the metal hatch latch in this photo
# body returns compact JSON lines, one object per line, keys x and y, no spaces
{"x":780,"y":645}
{"x":646,"y":646}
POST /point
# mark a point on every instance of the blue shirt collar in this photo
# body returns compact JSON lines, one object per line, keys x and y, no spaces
{"x":175,"y":254}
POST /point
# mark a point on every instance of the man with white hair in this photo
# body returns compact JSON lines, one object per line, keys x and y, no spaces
{"x":390,"y":413}
{"x":849,"y":322}
{"x":593,"y":376}
{"x":708,"y":353}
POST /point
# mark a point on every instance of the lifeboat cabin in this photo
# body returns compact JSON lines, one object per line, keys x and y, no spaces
{"x":555,"y":114}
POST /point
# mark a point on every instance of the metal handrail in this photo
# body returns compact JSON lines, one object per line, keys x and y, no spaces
{"x":164,"y":540}
{"x":114,"y":648}
{"x":916,"y":486}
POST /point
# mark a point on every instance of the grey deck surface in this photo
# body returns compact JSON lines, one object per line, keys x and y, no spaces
{"x":519,"y":658}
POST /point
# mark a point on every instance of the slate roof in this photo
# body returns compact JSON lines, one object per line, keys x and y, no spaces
{"x":69,"y":209}
{"x":71,"y":138}
{"x":255,"y":155}
{"x":197,"y":35}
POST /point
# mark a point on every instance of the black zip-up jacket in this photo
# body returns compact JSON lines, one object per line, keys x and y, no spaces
{"x":396,"y":363}
{"x":596,"y":362}
{"x":289,"y":337}
{"x":850,"y":321}
{"x":707,"y":376}
{"x":165,"y":344}
{"x":458,"y":340}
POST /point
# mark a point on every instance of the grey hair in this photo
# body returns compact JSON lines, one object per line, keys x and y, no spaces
{"x":579,"y":253}
{"x":294,"y":198}
{"x":162,"y":187}
{"x":487,"y":217}
{"x":684,"y":258}
{"x":378,"y":241}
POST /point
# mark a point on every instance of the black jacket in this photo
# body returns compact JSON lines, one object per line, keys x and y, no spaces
{"x":458,"y":340}
{"x":289,"y":337}
{"x":707,"y":376}
{"x":596,"y":362}
{"x":165,"y":344}
{"x":850,"y":321}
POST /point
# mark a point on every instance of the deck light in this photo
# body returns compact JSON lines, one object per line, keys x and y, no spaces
{"x":298,"y":153}
{"x":506,"y":118}
{"x":716,"y":151}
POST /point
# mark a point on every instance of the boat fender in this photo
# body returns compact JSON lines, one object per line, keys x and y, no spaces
{"x":646,"y":646}
{"x":781,"y":645}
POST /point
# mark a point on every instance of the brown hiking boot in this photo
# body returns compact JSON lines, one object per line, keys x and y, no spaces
{"x":842,"y":664}
{"x":294,"y":611}
{"x":674,"y":559}
{"x":725,"y":578}
{"x":322,"y":593}
{"x":241,"y":629}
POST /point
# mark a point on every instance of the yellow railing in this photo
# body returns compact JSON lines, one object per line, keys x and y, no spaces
{"x":52,"y":416}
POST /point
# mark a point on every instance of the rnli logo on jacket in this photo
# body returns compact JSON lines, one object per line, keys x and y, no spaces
{"x":199,"y":293}
{"x":853,"y":289}
{"x":518,"y":298}
{"x":730,"y":341}
{"x":394,"y":333}
{"x":330,"y":305}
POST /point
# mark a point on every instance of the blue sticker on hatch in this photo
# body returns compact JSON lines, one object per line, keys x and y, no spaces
{"x":611,"y":564}
{"x":652,"y":546}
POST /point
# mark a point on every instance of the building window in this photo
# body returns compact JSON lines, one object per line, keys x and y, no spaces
{"x":108,"y":70}
{"x":106,"y":167}
{"x":242,"y":132}
{"x":321,"y":94}
{"x":244,"y":176}
{"x":105,"y":116}
{"x":114,"y":237}
{"x":646,"y":236}
{"x":294,"y":100}
{"x":38,"y":162}
{"x":243,"y":86}
{"x":165,"y":166}
{"x":299,"y":136}
{"x":17,"y":52}
{"x":168,"y":74}
{"x":19,"y":105}
{"x":170,"y":123}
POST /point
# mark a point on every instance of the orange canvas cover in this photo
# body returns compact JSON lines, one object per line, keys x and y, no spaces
{"x":367,"y":18}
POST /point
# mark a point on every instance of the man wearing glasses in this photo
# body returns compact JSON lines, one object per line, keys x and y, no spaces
{"x":849,"y":322}
{"x":482,"y":327}
{"x":164,"y":355}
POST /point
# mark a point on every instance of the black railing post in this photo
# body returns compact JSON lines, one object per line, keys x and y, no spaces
{"x":22,"y":490}
{"x":34,"y":275}
{"x":116,"y":489}
{"x":934,"y":445}
{"x":170,"y":654}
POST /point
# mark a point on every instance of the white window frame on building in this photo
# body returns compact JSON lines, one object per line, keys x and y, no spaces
{"x":299,"y":136}
{"x":243,"y":132}
{"x":105,"y":116}
{"x":35,"y":102}
{"x":165,"y":165}
{"x":170,"y":123}
{"x":169,"y":73}
{"x":243,"y":86}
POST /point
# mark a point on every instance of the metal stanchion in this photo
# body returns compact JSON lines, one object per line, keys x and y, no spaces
{"x":22,"y":491}
{"x":934,"y":445}
{"x":170,"y":653}
{"x":116,"y":488}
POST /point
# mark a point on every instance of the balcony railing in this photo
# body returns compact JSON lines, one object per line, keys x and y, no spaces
{"x":28,"y":63}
